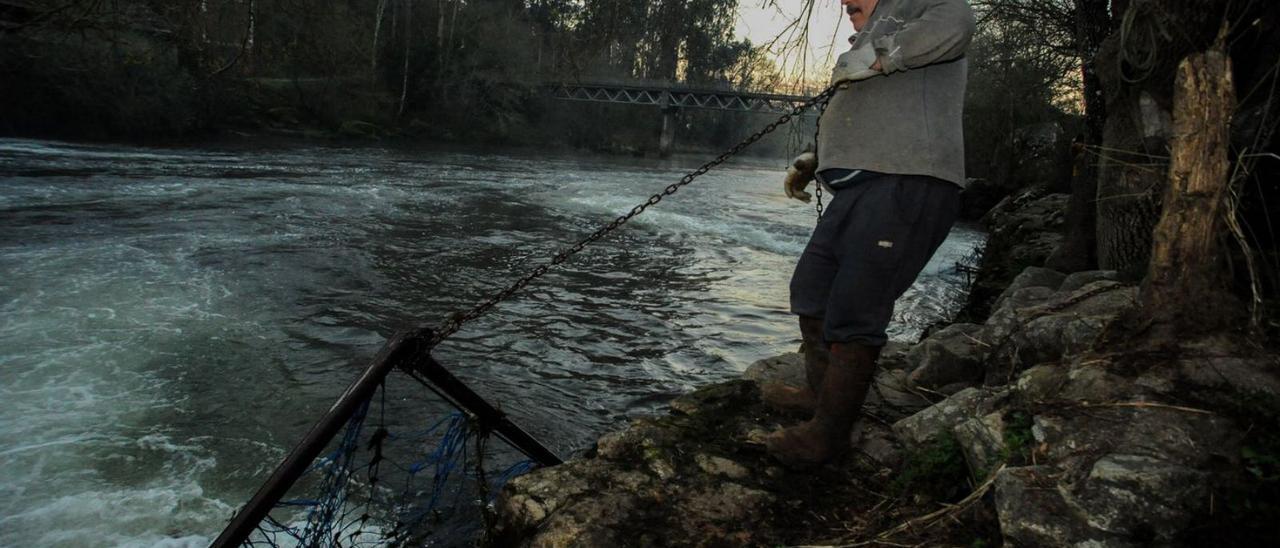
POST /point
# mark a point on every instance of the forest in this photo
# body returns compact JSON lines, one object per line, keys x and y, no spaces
{"x":469,"y":70}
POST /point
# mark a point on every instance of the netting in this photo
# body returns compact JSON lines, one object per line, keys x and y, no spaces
{"x":408,"y":469}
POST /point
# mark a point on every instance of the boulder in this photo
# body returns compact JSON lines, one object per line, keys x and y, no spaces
{"x":954,"y":355}
{"x":978,"y":197}
{"x":981,"y":439}
{"x":1077,"y":280}
{"x":1033,"y":276}
{"x":1139,"y":496}
{"x":1039,"y":384}
{"x":939,"y":418}
{"x":1033,"y":513}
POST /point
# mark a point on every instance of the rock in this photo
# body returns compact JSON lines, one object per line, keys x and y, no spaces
{"x":978,"y":197}
{"x":728,"y":503}
{"x":981,"y":440}
{"x":941,"y":417}
{"x":1189,"y":438}
{"x":1013,"y":311}
{"x":787,"y":369}
{"x":678,"y":480}
{"x":720,"y":466}
{"x":1033,"y":513}
{"x":1139,"y":496}
{"x":894,"y":355}
{"x":1023,"y":230}
{"x":715,"y":398}
{"x":1094,"y":384}
{"x":1033,"y":276}
{"x":1035,"y":325}
{"x":1078,"y":280}
{"x":956,"y":354}
{"x":877,"y":442}
{"x":892,"y":398}
{"x":1041,"y":383}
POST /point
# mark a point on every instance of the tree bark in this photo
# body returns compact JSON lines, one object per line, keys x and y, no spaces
{"x":1184,"y":290}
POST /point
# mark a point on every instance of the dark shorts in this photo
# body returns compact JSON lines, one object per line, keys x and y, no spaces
{"x":872,"y":241}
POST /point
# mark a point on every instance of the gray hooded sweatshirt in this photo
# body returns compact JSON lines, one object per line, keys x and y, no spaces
{"x":908,"y":121}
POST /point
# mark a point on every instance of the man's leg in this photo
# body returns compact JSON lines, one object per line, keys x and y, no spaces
{"x":802,"y":399}
{"x":895,"y":227}
{"x":810,"y":287}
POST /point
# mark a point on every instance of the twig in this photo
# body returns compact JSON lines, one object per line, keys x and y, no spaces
{"x":932,"y":518}
{"x":1148,"y":404}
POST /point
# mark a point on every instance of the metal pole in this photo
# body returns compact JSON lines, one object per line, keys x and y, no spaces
{"x":490,"y":417}
{"x":401,"y":347}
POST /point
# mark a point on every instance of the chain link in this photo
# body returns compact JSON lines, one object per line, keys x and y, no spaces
{"x":455,"y":322}
{"x":817,"y":130}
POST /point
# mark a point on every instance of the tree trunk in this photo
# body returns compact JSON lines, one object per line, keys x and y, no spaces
{"x":377,"y":29}
{"x":408,"y":34}
{"x":1077,"y":251}
{"x":1184,"y":288}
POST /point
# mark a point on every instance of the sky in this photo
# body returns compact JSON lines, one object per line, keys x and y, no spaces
{"x":762,"y":24}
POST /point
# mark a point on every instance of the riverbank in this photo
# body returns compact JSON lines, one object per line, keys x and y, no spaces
{"x":1017,"y":430}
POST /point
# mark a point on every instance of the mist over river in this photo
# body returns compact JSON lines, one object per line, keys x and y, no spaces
{"x":172,"y":320}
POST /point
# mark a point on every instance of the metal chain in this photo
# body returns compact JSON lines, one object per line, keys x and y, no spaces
{"x":817,"y":130}
{"x":455,"y":322}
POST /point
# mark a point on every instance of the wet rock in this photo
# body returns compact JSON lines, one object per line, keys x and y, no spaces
{"x":678,"y":480}
{"x":787,"y":369}
{"x":940,"y":418}
{"x":715,"y":398}
{"x":956,"y":354}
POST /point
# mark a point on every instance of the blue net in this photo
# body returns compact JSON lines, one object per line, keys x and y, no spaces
{"x":428,"y":477}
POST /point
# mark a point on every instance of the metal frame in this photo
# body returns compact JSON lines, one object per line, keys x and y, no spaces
{"x":669,"y":97}
{"x":409,"y":350}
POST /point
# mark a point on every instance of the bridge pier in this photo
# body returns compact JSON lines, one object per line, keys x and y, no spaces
{"x":668,"y":136}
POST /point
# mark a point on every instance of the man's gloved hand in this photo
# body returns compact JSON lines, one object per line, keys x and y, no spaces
{"x":855,"y":65}
{"x":799,"y":175}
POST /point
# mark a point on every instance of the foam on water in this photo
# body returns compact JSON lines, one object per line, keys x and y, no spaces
{"x":172,"y":320}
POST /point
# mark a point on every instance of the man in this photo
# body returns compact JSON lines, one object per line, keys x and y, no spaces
{"x":891,"y":148}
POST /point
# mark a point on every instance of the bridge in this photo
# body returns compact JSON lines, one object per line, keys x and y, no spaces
{"x":672,"y":98}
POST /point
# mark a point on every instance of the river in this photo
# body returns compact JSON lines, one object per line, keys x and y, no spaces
{"x":173,"y":319}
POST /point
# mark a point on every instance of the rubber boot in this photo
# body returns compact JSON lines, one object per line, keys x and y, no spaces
{"x":790,"y":399}
{"x":844,"y":389}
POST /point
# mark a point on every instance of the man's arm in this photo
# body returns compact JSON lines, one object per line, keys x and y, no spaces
{"x":941,"y":33}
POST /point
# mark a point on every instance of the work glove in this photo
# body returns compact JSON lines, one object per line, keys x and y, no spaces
{"x":799,"y":175}
{"x":855,"y":65}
